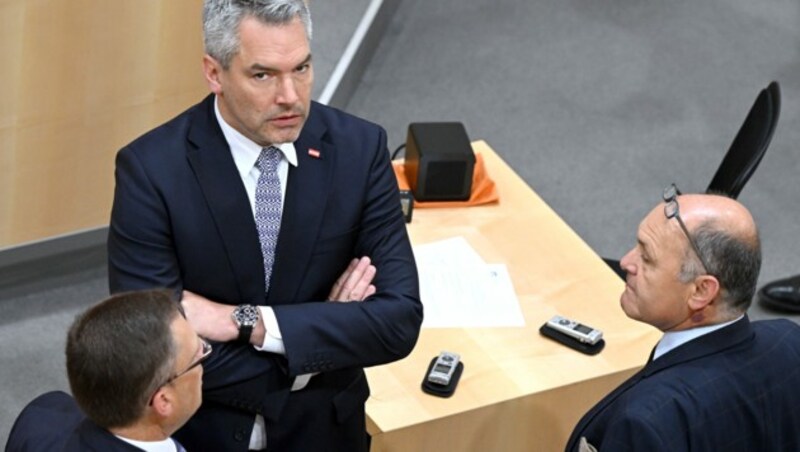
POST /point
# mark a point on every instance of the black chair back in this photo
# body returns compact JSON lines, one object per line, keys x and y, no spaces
{"x":750,"y":144}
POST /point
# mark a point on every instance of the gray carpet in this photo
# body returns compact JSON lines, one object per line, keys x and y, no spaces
{"x":34,"y":317}
{"x":597,"y":104}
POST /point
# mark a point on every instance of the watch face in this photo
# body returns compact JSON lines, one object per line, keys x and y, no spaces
{"x":246,"y":315}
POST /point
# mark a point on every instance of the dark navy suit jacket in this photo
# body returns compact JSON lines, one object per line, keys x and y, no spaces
{"x":88,"y":437}
{"x":181,"y":219}
{"x":53,"y":422}
{"x":735,"y":389}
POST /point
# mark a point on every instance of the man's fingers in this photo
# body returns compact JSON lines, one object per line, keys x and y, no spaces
{"x":354,"y":284}
{"x":336,"y":290}
{"x":361,"y":289}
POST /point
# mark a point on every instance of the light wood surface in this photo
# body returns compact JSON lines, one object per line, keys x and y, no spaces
{"x":83,"y":78}
{"x":519,"y":390}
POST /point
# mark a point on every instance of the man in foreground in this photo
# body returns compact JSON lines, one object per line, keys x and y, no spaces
{"x":133,"y":363}
{"x":715,"y":381}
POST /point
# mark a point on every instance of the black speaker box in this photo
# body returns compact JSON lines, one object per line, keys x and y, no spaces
{"x":439,"y":161}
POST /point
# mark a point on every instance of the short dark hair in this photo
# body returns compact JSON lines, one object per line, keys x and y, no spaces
{"x":734,"y":260}
{"x":118,"y":354}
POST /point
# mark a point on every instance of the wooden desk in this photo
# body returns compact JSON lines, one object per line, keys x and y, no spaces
{"x":519,"y":391}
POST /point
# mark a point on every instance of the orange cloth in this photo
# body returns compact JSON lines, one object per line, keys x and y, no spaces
{"x":484,"y":190}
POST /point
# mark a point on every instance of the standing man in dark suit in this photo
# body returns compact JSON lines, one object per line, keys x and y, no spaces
{"x":133,"y":363}
{"x":715,"y":381}
{"x":279,"y":221}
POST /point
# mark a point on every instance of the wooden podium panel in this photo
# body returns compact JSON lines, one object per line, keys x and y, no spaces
{"x":519,"y":390}
{"x":81,"y":79}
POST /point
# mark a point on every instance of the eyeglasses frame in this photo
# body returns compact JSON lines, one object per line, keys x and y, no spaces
{"x":670,"y":197}
{"x":207,"y":349}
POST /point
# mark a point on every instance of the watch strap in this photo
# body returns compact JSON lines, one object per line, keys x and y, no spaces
{"x":245,"y":331}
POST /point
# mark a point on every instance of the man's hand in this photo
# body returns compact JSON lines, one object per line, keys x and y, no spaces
{"x":209,"y":319}
{"x":355,"y":284}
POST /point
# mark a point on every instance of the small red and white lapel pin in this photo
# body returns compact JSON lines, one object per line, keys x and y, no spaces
{"x":313,"y":153}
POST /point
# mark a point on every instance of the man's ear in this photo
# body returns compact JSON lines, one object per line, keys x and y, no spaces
{"x":163,"y":401}
{"x":212,"y":70}
{"x":706,"y":290}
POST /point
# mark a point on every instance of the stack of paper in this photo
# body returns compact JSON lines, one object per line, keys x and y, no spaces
{"x":459,"y":289}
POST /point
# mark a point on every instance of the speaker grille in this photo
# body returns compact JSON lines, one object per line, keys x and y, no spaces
{"x":445,"y":179}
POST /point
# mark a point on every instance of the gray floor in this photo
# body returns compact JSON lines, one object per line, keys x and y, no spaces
{"x":597,"y":105}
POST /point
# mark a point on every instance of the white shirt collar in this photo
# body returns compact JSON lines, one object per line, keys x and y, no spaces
{"x":674,"y":339}
{"x":167,"y":445}
{"x":244,"y":150}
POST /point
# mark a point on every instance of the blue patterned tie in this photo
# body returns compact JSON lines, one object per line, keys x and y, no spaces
{"x":268,"y":207}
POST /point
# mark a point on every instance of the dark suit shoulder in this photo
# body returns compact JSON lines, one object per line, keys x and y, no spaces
{"x":45,"y":423}
{"x":90,"y":437}
{"x":778,"y":328}
{"x":778,"y":340}
{"x":334,"y":116}
{"x":172,"y":135}
{"x":332,"y":122}
{"x":745,"y":396}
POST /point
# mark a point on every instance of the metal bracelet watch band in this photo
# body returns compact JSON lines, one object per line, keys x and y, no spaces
{"x":245,"y":316}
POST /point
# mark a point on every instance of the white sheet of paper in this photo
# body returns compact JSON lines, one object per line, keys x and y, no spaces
{"x":453,"y":251}
{"x":460,"y":290}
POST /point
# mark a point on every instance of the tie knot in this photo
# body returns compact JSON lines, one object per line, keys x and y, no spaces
{"x":269,"y":158}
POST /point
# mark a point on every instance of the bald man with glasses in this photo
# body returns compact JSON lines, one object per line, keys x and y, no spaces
{"x":134,"y":368}
{"x":715,"y":381}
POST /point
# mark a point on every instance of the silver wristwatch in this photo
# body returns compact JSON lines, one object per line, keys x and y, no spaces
{"x":245,"y":316}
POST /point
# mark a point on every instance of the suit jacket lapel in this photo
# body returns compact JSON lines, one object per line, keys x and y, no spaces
{"x":587,"y":419}
{"x":304,"y":206}
{"x":714,"y":342}
{"x":89,"y":436}
{"x":211,"y":160}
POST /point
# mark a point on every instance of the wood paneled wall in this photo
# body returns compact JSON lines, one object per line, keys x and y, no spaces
{"x":82,"y":78}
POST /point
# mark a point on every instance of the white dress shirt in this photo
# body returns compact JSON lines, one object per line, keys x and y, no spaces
{"x":167,"y":445}
{"x":673,"y":339}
